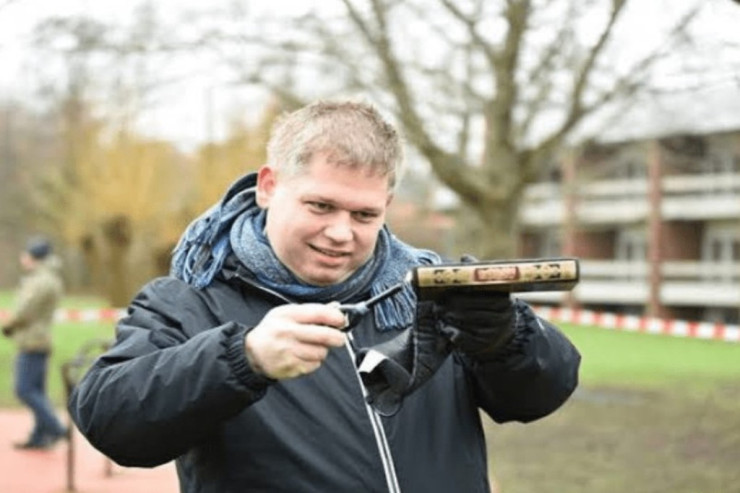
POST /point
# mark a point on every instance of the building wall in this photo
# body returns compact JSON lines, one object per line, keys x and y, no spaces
{"x":682,"y":241}
{"x":594,"y":244}
{"x":695,"y":271}
{"x":529,"y":245}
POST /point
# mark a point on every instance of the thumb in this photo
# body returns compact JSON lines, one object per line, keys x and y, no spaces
{"x":467,"y":258}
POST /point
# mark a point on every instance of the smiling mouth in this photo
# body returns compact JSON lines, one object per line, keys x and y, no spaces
{"x":329,"y":253}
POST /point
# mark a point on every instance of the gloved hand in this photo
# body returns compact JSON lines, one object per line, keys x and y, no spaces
{"x":479,"y":323}
{"x":7,"y":331}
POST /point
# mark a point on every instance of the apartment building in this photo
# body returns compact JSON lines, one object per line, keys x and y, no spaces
{"x":652,"y":209}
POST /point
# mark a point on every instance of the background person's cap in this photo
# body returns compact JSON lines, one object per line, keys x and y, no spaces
{"x":38,"y":248}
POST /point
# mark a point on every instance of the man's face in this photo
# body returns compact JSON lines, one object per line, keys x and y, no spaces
{"x":323,"y":222}
{"x":27,"y":261}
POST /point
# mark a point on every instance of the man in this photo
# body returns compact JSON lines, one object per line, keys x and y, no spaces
{"x":30,"y":327}
{"x":236,"y":365}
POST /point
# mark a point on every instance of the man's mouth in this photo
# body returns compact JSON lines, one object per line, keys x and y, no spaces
{"x":329,"y":253}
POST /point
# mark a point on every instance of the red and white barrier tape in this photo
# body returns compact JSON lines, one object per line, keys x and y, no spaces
{"x":89,"y":315}
{"x":81,"y":315}
{"x":647,"y":325}
{"x":610,"y":321}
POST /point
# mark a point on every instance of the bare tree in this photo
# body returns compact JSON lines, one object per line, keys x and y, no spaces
{"x":110,"y":192}
{"x":487,"y":92}
{"x":107,"y":190}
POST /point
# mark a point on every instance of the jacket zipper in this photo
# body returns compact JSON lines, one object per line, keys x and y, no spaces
{"x":381,"y":439}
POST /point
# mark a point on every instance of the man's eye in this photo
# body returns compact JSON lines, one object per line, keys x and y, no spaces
{"x":365,"y":217}
{"x":320,"y":206}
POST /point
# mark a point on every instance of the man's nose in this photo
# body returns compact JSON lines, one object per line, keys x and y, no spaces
{"x":339,"y":228}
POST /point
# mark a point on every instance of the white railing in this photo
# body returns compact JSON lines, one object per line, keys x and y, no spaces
{"x":622,"y":200}
{"x":687,"y":184}
{"x":683,"y":283}
{"x":686,"y":270}
{"x":672,"y":185}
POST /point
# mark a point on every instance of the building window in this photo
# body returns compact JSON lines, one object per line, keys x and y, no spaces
{"x":721,"y":254}
{"x":633,"y":169}
{"x":551,"y":244}
{"x":631,"y":249}
{"x":631,"y":246}
{"x":720,"y":159}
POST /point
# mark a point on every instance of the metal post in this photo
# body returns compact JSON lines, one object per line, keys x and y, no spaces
{"x":570,"y":204}
{"x":655,"y":229}
{"x":70,"y":469}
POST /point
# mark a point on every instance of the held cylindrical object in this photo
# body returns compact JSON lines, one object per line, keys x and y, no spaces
{"x":512,"y":276}
{"x":353,"y":312}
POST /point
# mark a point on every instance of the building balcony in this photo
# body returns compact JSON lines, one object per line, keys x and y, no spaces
{"x":684,"y":283}
{"x":685,"y":197}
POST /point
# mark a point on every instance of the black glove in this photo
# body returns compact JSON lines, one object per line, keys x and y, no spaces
{"x":7,"y":331}
{"x":479,"y":323}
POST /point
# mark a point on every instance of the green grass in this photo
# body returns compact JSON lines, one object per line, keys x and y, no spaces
{"x":653,"y":361}
{"x":653,"y":413}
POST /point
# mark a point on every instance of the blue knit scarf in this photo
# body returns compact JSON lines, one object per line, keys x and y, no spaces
{"x":236,"y":225}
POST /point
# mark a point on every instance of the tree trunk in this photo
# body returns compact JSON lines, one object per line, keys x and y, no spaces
{"x":117,"y":235}
{"x":490,"y":232}
{"x":93,"y":275}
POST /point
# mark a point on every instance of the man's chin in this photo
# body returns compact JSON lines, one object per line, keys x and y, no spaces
{"x":325,"y":279}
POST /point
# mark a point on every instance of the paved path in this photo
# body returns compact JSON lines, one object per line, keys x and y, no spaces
{"x":46,"y":471}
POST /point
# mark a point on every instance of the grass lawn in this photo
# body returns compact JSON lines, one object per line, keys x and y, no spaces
{"x":647,"y":361}
{"x":652,"y":414}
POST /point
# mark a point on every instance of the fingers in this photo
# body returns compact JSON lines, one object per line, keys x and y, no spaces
{"x":293,"y":340}
{"x":317,"y":334}
{"x":311,"y":353}
{"x":313,"y":313}
{"x":312,"y":323}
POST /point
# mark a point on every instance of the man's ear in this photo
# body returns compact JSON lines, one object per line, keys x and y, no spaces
{"x":390,"y":199}
{"x":266,"y":183}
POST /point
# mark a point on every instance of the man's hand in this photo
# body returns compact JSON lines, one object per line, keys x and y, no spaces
{"x":479,"y":323}
{"x":294,"y":340}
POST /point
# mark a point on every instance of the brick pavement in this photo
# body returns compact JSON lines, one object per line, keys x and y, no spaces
{"x":46,"y":471}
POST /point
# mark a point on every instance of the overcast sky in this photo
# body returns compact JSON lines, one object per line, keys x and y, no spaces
{"x":192,"y":111}
{"x":182,"y":115}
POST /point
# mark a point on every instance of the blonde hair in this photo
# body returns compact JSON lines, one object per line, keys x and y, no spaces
{"x":351,"y":134}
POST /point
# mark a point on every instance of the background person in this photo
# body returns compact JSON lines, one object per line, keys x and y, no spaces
{"x":235,"y":365}
{"x":29,"y":326}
